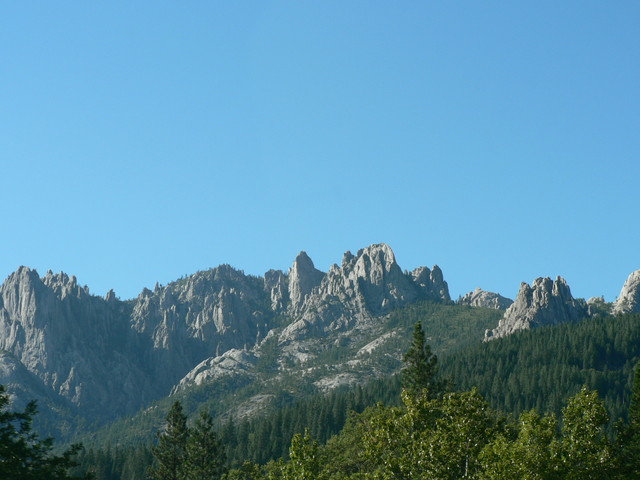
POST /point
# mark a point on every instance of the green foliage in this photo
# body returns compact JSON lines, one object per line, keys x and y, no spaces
{"x":580,"y":450}
{"x":23,"y":455}
{"x":584,"y":450}
{"x":420,"y":366}
{"x":184,"y":453}
{"x":170,"y":452}
{"x":247,"y":471}
{"x":205,"y":457}
{"x":458,"y":436}
{"x":543,"y":367}
{"x":528,"y":455}
{"x":628,"y":441}
{"x":344,"y":456}
{"x":115,"y":464}
{"x":430,"y":438}
{"x":303,"y":459}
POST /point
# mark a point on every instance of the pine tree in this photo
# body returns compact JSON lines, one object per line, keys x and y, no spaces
{"x":628,"y":441}
{"x":23,"y":455}
{"x":421,"y":366}
{"x":205,"y":456}
{"x":169,"y":453}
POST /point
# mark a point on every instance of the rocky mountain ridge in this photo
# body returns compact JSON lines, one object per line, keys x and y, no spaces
{"x":546,"y":302}
{"x":103,"y":357}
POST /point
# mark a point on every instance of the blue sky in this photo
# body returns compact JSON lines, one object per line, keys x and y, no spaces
{"x":142,"y":141}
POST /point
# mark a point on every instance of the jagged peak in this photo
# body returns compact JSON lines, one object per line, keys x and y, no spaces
{"x":379,"y":251}
{"x":59,"y":279}
{"x":110,"y":296}
{"x":303,"y":259}
{"x":303,"y":278}
{"x":544,"y":302}
{"x":629,"y":299}
{"x":23,"y":274}
{"x":26,"y":279}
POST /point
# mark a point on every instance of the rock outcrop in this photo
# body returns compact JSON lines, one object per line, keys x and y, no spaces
{"x":482,"y":298}
{"x":230,"y":363}
{"x":303,"y":278}
{"x":629,"y":299}
{"x":545,"y":302}
{"x":366,"y":285}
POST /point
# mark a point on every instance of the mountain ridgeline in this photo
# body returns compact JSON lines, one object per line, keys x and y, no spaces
{"x":90,"y":360}
{"x":102,"y":358}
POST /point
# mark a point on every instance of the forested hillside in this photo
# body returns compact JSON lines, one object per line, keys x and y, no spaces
{"x":541,"y":368}
{"x":448,"y":328}
{"x":538,"y":369}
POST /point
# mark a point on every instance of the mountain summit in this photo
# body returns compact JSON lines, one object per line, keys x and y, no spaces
{"x":101,"y":358}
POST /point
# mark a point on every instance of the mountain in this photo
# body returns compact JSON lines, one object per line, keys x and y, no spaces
{"x":101,"y":358}
{"x":243,"y":342}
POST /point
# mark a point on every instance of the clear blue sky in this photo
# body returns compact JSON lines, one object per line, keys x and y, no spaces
{"x":142,"y":141}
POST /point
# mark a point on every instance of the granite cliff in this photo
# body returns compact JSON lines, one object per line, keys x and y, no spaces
{"x":544,"y":302}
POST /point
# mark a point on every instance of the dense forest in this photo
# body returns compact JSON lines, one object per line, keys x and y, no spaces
{"x":548,"y":403}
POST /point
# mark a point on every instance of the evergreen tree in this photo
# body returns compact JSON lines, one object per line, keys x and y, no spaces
{"x":169,"y":453}
{"x":205,"y":457}
{"x":420,"y":366}
{"x":628,"y":441}
{"x":22,"y":454}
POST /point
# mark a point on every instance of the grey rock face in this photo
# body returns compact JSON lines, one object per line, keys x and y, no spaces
{"x":231,"y":362}
{"x":366,"y":285}
{"x":107,"y":357}
{"x":482,"y":298}
{"x":303,"y":278}
{"x":431,"y":283}
{"x":75,"y":343}
{"x":201,"y":316}
{"x":545,"y":302}
{"x":276,"y":284}
{"x":629,"y":299}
